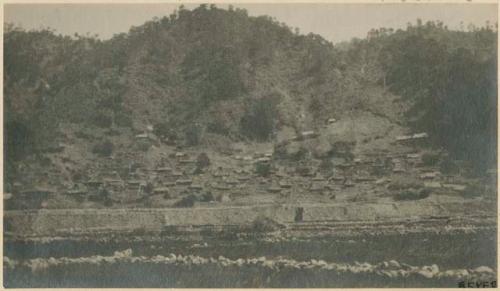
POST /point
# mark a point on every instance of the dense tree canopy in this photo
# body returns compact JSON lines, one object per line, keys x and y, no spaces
{"x":451,"y":79}
{"x":215,"y":67}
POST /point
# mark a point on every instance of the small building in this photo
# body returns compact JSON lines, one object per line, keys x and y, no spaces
{"x":168,"y":184}
{"x":94,"y":183}
{"x":223,"y":198}
{"x":331,"y":120}
{"x":364,"y":178}
{"x":336,"y":177}
{"x":398,"y":166}
{"x":232,"y":182}
{"x":345,"y":166}
{"x":113,"y":182}
{"x":309,"y":133}
{"x":77,"y":190}
{"x":222,"y":187}
{"x":455,"y":187}
{"x":274,"y":189}
{"x":318,"y":178}
{"x":164,"y":170}
{"x":161,"y":191}
{"x":402,"y":138}
{"x":420,"y":135}
{"x":432,"y":185}
{"x":177,"y":174}
{"x":142,"y":136}
{"x":184,"y":182}
{"x":180,"y":155}
{"x":306,"y":135}
{"x":196,"y":187}
{"x":136,"y":184}
{"x":413,"y":137}
{"x":348,"y":183}
{"x":263,"y":160}
{"x":429,"y":175}
{"x":317,"y":187}
{"x":285,"y":185}
{"x":382,"y":181}
{"x":413,"y":156}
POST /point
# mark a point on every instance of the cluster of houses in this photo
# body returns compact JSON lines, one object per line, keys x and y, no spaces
{"x":180,"y":175}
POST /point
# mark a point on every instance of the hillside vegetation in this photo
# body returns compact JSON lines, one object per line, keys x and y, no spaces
{"x":211,"y":73}
{"x":449,"y":78}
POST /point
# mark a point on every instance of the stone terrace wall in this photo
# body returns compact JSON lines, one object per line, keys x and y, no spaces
{"x":60,"y":221}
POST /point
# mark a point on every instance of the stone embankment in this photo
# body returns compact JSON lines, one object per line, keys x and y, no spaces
{"x":62,"y":222}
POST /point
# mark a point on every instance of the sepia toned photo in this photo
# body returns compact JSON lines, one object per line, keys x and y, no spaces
{"x":250,"y":145}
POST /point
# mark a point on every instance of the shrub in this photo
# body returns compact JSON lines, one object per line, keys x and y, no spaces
{"x":164,"y":130}
{"x":430,"y":159}
{"x":293,"y":151}
{"x":265,"y":224}
{"x":149,"y":188}
{"x":108,"y":202}
{"x":143,"y":146}
{"x":104,"y":149}
{"x":78,"y":176}
{"x":193,"y":135}
{"x":263,"y":169}
{"x":112,"y":132}
{"x":202,"y":161}
{"x":412,"y":194}
{"x":280,"y":151}
{"x":474,"y":190}
{"x":300,"y":154}
{"x":303,"y":171}
{"x":217,"y":127}
{"x":81,"y":134}
{"x":102,"y":120}
{"x":187,"y":201}
{"x":299,"y":214}
{"x":405,"y":183}
{"x":207,"y":197}
{"x":259,"y":121}
{"x":45,"y":161}
{"x":316,"y":106}
{"x":380,"y":170}
{"x":123,"y":120}
{"x":448,"y":166}
{"x":217,"y":71}
{"x":326,"y":166}
{"x":342,"y":149}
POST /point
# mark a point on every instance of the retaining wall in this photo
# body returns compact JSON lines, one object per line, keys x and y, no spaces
{"x":57,"y":221}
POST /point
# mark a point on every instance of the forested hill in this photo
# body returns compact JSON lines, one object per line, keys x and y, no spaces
{"x":211,"y":73}
{"x":449,"y":78}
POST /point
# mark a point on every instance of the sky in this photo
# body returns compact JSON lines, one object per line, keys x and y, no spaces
{"x":335,"y":22}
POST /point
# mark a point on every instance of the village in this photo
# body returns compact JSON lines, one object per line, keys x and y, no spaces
{"x":249,"y":145}
{"x":279,"y":173}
